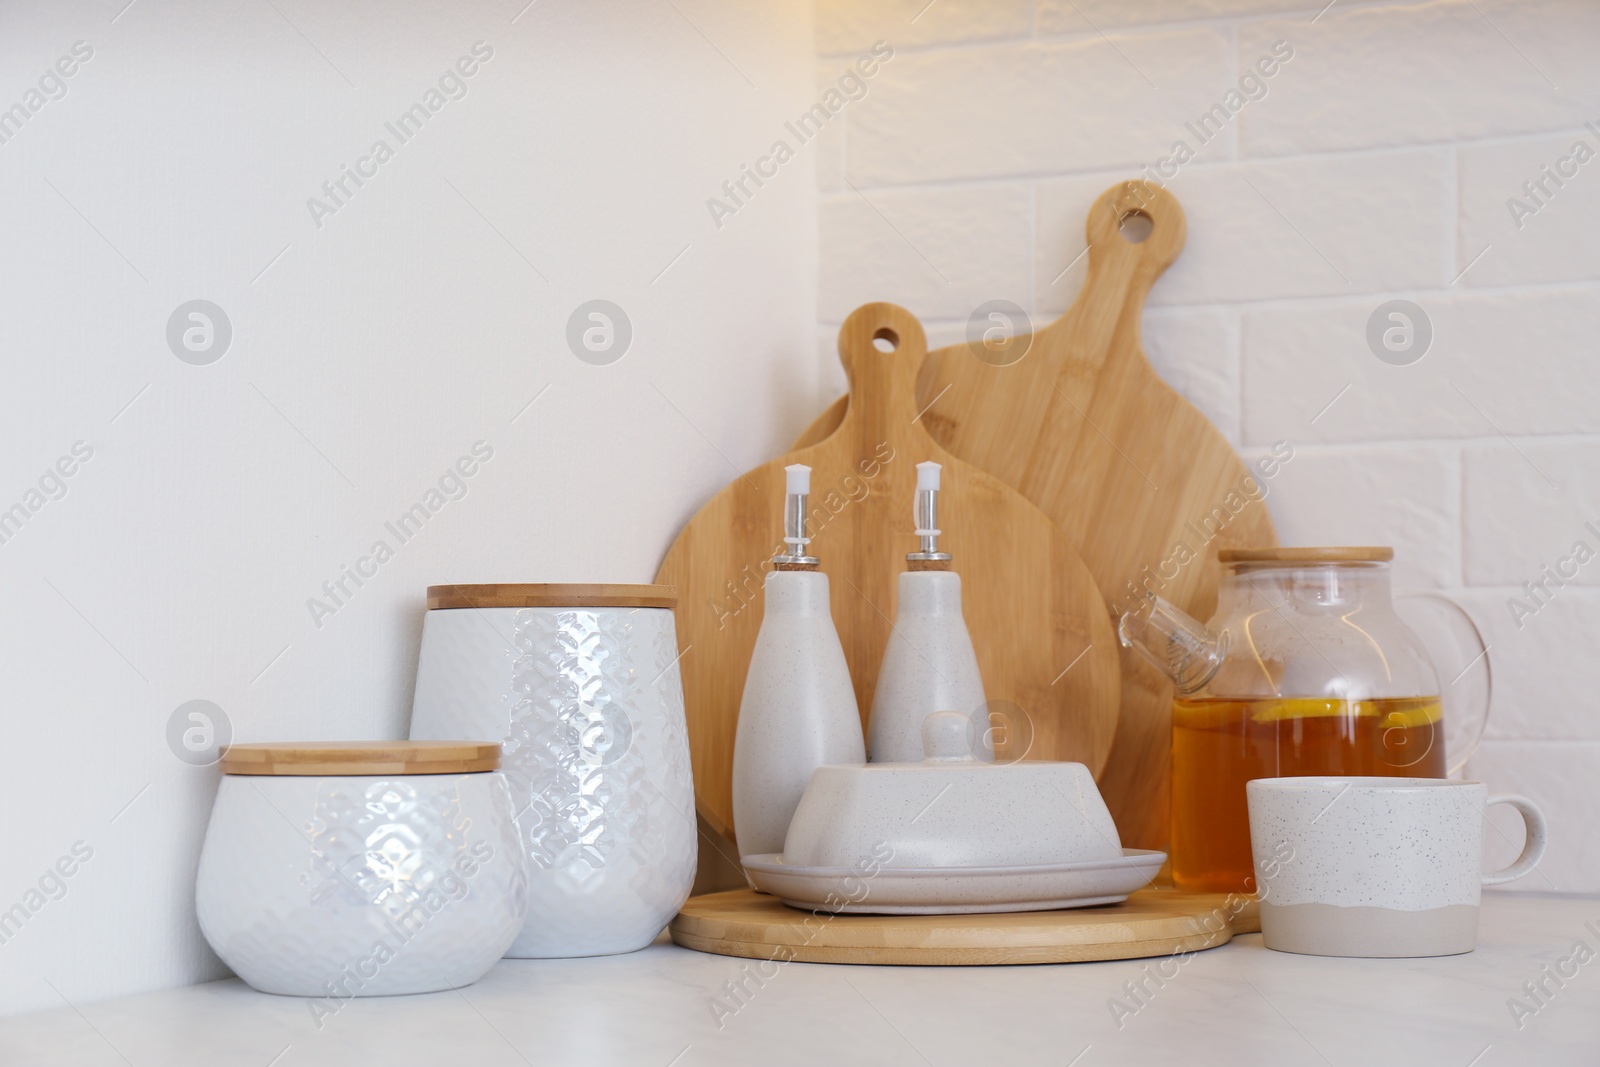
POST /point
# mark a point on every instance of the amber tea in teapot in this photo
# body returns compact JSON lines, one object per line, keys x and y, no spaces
{"x":1219,"y":744}
{"x":1305,"y":669}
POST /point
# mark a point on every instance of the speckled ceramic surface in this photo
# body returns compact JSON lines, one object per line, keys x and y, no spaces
{"x":929,"y":665}
{"x":361,"y":886}
{"x":893,"y":890}
{"x":952,"y":811}
{"x":1375,"y":866}
{"x":589,"y":705}
{"x":798,"y":711}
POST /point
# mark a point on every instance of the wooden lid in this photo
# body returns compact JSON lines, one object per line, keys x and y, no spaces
{"x":353,"y":758}
{"x":552,"y":596}
{"x":1346,"y":554}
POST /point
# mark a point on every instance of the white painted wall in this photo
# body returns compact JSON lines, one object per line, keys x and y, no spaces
{"x":368,"y":354}
{"x":1376,"y":166}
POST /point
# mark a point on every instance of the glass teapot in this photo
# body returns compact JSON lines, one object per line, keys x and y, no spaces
{"x":1306,"y":668}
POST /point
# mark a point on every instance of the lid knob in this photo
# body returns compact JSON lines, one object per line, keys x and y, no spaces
{"x":944,"y":737}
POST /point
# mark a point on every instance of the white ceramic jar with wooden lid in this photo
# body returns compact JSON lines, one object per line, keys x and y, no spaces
{"x":581,"y":684}
{"x":334,"y":870}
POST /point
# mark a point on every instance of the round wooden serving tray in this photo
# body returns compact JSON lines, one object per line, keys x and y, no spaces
{"x":1152,"y":922}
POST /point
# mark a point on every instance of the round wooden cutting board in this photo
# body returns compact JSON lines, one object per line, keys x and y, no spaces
{"x":1038,"y":623}
{"x":1075,"y":418}
{"x":1152,"y":922}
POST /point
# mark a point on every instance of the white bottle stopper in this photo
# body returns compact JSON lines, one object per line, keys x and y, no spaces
{"x":927,"y":475}
{"x":798,"y":478}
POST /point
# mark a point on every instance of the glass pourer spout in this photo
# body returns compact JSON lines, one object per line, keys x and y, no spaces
{"x":797,"y":488}
{"x":925,"y":513}
{"x":1187,"y":651}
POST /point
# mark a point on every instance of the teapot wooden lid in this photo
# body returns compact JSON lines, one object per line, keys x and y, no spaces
{"x":354,"y":758}
{"x":552,"y":596}
{"x":1344,"y":554}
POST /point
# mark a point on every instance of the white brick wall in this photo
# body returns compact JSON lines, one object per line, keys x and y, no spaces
{"x":1377,"y":166}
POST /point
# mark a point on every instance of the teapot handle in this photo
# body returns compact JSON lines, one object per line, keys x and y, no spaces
{"x":1466,"y":681}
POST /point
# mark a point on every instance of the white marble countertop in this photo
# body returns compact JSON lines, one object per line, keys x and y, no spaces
{"x":1238,"y":1004}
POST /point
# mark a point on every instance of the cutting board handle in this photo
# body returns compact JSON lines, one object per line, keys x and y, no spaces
{"x":1116,"y":231}
{"x":1122,"y":268}
{"x":883,"y":381}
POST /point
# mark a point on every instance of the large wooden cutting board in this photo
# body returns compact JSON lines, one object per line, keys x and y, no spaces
{"x":1082,"y":425}
{"x":1038,"y":623}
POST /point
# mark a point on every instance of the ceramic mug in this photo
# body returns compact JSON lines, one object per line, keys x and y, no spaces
{"x":1376,"y":866}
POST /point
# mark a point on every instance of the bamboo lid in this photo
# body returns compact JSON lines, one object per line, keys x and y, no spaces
{"x":355,"y":758}
{"x":552,"y":596}
{"x":1346,"y":554}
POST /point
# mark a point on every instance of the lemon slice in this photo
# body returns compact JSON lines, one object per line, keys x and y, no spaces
{"x":1392,"y":712}
{"x":1413,"y":711}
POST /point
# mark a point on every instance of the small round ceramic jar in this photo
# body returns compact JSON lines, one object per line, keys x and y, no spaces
{"x":581,"y":684}
{"x":361,"y":869}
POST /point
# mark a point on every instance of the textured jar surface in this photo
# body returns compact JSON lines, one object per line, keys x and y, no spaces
{"x":589,"y":705}
{"x":361,"y":886}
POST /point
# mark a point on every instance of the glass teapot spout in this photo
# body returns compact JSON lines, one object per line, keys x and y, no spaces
{"x":1182,"y":648}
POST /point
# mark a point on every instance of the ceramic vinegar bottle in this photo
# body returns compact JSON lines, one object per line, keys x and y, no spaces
{"x":929,"y":663}
{"x":799,"y":709}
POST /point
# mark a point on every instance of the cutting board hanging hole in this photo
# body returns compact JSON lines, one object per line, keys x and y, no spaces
{"x":1135,"y":226}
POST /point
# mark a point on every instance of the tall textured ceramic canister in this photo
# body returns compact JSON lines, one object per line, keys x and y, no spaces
{"x":581,"y":684}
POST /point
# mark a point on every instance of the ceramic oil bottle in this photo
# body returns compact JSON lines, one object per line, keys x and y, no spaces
{"x":929,"y":663}
{"x":799,"y":709}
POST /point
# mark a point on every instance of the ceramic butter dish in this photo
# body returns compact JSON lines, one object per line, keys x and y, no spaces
{"x":951,"y":810}
{"x":951,"y":835}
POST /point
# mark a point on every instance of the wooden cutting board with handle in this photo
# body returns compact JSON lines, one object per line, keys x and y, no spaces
{"x":1038,"y":624}
{"x":1075,"y":418}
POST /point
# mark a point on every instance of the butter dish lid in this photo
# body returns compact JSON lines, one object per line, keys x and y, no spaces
{"x":951,"y":810}
{"x":360,"y":758}
{"x":589,"y":595}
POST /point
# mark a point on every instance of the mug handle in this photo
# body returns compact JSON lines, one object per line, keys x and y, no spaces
{"x":1532,"y":848}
